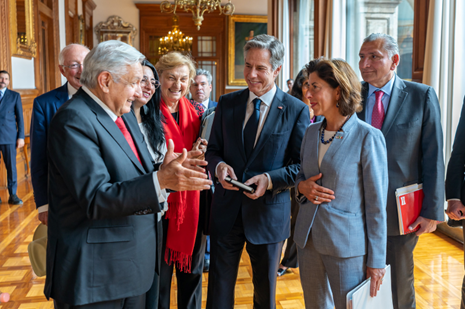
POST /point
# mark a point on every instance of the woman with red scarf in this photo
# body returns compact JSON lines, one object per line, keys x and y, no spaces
{"x":183,"y":240}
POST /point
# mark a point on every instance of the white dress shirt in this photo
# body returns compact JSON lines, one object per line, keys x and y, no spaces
{"x":163,"y":149}
{"x":205,"y":104}
{"x":266,"y":99}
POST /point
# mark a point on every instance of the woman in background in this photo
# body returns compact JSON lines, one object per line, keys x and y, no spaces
{"x":183,"y":240}
{"x":147,"y":111}
{"x":289,"y":260}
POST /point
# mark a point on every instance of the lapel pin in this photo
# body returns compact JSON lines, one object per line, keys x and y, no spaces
{"x":339,"y":137}
{"x":280,"y":107}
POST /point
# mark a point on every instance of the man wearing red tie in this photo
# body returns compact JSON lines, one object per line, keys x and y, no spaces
{"x":105,"y":189}
{"x":409,"y":116}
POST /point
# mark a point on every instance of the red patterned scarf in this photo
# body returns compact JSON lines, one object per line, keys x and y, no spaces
{"x":183,"y":211}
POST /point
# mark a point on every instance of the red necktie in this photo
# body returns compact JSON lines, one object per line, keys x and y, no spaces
{"x":120,"y":123}
{"x":377,"y":117}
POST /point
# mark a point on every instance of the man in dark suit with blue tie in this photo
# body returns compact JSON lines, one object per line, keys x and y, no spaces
{"x":45,"y":106}
{"x":11,"y":133}
{"x":255,"y":139}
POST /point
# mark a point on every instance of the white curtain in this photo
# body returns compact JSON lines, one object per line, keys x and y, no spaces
{"x":444,"y":64}
{"x":335,"y":32}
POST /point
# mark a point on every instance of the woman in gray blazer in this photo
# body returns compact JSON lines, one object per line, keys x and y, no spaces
{"x":341,"y":234}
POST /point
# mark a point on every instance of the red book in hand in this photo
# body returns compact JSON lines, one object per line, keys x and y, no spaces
{"x":409,"y":202}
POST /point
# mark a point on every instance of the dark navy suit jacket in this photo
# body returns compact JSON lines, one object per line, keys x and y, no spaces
{"x":11,"y":118}
{"x":212,"y":104}
{"x":97,"y":249}
{"x":277,"y":152}
{"x":456,"y":167}
{"x":45,"y":106}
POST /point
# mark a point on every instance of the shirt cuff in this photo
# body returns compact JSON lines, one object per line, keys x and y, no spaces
{"x":42,"y":208}
{"x":453,"y":199}
{"x":161,"y":194}
{"x":270,"y":184}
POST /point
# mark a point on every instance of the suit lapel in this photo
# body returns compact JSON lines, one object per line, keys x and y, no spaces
{"x":109,"y":125}
{"x":238,"y":121}
{"x":62,"y":96}
{"x":5,"y":100}
{"x":133,"y":127}
{"x":362,"y":114}
{"x":398,"y":96}
{"x":270,"y":123}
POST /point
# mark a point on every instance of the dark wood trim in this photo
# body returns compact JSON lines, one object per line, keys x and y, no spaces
{"x":88,"y":7}
{"x":319,"y":19}
{"x":420,"y":26}
{"x":5,"y":58}
{"x":292,"y":8}
{"x":44,"y":9}
{"x":273,"y":20}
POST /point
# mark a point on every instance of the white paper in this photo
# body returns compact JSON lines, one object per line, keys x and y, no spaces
{"x":359,"y":298}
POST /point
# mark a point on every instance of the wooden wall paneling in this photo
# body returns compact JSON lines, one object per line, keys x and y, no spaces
{"x":88,"y":7}
{"x":292,"y":13}
{"x":420,"y":25}
{"x":5,"y":58}
{"x":71,"y":21}
{"x":319,"y":27}
{"x":154,"y":23}
{"x":273,"y":17}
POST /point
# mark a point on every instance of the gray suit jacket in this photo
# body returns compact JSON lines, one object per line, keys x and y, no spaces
{"x":414,"y":140}
{"x":355,"y":168}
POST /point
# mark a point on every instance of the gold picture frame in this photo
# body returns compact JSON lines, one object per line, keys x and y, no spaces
{"x":241,"y":28}
{"x":22,"y":44}
{"x":115,"y":29}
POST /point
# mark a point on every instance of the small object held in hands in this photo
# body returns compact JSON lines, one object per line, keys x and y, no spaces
{"x":240,"y":185}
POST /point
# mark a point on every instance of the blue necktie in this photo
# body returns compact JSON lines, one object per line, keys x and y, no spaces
{"x":1,"y":96}
{"x":250,"y":130}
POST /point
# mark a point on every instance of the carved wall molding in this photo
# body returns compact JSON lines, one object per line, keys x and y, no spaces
{"x":116,"y":29}
{"x":18,"y":49}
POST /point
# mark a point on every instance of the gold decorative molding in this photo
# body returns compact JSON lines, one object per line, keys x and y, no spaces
{"x":27,"y":49}
{"x":5,"y":59}
{"x":115,"y":29}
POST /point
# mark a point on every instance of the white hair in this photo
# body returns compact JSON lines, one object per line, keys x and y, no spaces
{"x":390,"y":44}
{"x":110,"y":56}
{"x":61,"y":56}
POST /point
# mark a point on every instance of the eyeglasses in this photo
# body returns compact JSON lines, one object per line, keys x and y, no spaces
{"x":74,"y":66}
{"x":153,"y":83}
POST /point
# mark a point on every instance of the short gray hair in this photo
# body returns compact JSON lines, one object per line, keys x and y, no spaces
{"x":390,"y":44}
{"x":206,"y":73}
{"x":61,"y":56}
{"x":269,"y":42}
{"x":110,"y":56}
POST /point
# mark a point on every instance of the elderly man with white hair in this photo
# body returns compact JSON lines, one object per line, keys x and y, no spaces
{"x":45,"y":106}
{"x":104,"y":189}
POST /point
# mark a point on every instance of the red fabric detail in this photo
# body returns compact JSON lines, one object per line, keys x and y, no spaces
{"x":122,"y":126}
{"x":183,"y":210}
{"x":377,"y":117}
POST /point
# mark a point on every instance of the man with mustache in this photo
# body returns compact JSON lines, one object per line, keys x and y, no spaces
{"x":11,"y":133}
{"x":45,"y":106}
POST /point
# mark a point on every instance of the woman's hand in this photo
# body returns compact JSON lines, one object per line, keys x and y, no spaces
{"x":315,"y":193}
{"x":200,"y":144}
{"x":376,"y":275}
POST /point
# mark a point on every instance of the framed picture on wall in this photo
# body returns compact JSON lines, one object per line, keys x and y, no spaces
{"x":241,"y":29}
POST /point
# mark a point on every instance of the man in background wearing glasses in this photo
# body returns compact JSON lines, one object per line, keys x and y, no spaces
{"x":45,"y":106}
